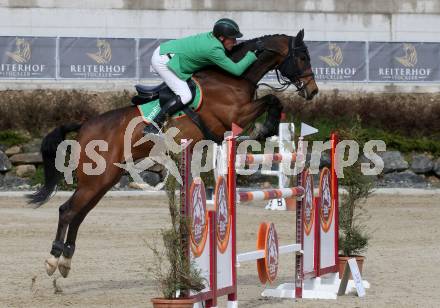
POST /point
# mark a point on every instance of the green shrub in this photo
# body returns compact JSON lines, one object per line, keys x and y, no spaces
{"x":38,"y":177}
{"x":11,"y":138}
{"x":408,"y":115}
{"x":353,"y":239}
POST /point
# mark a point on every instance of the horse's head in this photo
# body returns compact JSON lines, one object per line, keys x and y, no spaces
{"x":287,"y":55}
{"x":296,"y":67}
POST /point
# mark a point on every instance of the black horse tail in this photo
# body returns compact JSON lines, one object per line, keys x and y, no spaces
{"x":51,"y":175}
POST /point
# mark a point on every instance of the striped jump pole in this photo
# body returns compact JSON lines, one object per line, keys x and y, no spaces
{"x":276,"y":158}
{"x":270,"y":194}
{"x":285,"y":157}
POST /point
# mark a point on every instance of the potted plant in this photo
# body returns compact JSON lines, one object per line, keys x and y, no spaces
{"x":175,"y":276}
{"x":353,"y":238}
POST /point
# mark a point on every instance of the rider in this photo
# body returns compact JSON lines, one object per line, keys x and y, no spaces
{"x":176,"y":60}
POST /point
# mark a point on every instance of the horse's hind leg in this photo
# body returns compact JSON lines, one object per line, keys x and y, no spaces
{"x":65,"y":215}
{"x":89,"y":196}
{"x":65,"y":261}
{"x":73,"y":208}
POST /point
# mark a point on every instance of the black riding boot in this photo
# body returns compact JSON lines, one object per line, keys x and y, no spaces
{"x":168,"y":109}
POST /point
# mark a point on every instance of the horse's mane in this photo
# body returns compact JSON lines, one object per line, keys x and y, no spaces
{"x":254,"y":40}
{"x":239,"y":50}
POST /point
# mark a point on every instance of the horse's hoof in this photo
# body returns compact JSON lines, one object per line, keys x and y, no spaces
{"x":51,"y":265}
{"x":64,"y":266}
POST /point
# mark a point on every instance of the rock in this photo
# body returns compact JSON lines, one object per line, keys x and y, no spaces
{"x":5,"y":163}
{"x":421,"y":163}
{"x":435,"y":181}
{"x":13,"y":150}
{"x":156,"y":168}
{"x":151,"y":178}
{"x":24,"y":187}
{"x":124,"y":181}
{"x":3,"y":147}
{"x":404,"y":179}
{"x":26,"y":158}
{"x":36,"y":187}
{"x":12,"y":181}
{"x":393,"y":161}
{"x":25,"y":171}
{"x":436,"y":167}
{"x":33,"y":146}
{"x":266,"y":185}
{"x":134,"y":185}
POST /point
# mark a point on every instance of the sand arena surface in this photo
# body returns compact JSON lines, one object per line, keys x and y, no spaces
{"x":110,"y":266}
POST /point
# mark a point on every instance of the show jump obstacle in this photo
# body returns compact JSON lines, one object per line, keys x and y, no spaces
{"x":286,"y":151}
{"x":213,"y":238}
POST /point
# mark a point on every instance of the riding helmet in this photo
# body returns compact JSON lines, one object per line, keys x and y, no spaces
{"x":226,"y":27}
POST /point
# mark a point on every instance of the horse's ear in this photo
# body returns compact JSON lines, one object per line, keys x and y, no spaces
{"x":299,"y":38}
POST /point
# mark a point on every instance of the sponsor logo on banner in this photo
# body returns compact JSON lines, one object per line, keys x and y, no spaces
{"x":335,"y":68}
{"x":104,"y":53}
{"x":406,"y":70}
{"x":327,"y":205}
{"x":272,"y":253}
{"x":222,"y":214}
{"x":22,"y":53}
{"x":410,"y":57}
{"x":404,"y":61}
{"x":338,"y":61}
{"x":97,"y":58}
{"x":17,"y":61}
{"x":335,"y":57}
{"x":198,"y":214}
{"x":103,"y":68}
{"x":309,"y":207}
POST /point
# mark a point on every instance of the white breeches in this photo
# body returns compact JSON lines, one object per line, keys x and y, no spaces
{"x":177,"y":85}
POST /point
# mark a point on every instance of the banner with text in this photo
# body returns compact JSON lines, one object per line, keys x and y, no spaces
{"x":130,"y":58}
{"x":338,"y":61}
{"x":28,"y":57}
{"x":97,"y":58}
{"x":404,"y":61}
{"x":146,"y":48}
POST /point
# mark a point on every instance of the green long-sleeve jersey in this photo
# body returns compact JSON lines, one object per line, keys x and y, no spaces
{"x":195,"y":52}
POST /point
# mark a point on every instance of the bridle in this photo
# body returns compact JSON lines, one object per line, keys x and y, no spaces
{"x":287,"y":72}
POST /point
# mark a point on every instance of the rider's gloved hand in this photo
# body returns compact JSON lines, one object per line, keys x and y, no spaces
{"x":259,"y":48}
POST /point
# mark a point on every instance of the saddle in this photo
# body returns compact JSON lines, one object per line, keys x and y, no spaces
{"x":146,"y":94}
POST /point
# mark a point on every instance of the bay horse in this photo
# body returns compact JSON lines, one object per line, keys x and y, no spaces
{"x":226,"y":99}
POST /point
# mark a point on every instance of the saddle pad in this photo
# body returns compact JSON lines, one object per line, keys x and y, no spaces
{"x":149,"y":110}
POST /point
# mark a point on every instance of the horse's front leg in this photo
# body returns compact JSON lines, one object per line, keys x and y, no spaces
{"x":270,"y":126}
